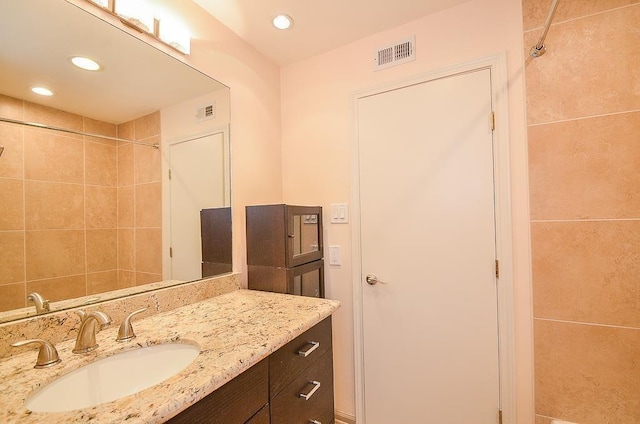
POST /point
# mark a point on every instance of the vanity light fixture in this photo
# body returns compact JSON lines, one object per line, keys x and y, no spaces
{"x":85,"y":63}
{"x":174,"y":34}
{"x":139,"y":15}
{"x":283,"y":22}
{"x":136,"y":13}
{"x":101,"y":3}
{"x":42,"y":91}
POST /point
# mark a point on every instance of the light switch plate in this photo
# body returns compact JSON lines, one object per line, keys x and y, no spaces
{"x":339,"y":213}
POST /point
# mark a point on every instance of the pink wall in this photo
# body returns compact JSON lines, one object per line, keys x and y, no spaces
{"x":316,"y":139}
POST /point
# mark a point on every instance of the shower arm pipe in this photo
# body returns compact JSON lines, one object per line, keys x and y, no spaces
{"x":70,"y":131}
{"x":539,"y":49}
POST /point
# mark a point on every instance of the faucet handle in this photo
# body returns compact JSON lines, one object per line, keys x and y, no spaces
{"x":47,"y":356}
{"x":125,"y":332}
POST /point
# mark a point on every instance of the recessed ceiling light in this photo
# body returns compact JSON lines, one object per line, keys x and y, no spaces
{"x":42,"y":91}
{"x":282,"y":22}
{"x":85,"y":63}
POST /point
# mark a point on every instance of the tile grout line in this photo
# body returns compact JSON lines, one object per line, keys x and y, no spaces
{"x":591,"y":324}
{"x":24,"y":210}
{"x":84,"y":203}
{"x":584,"y":220}
{"x":580,"y":118}
{"x":584,"y":16}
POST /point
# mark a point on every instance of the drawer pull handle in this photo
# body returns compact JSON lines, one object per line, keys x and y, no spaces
{"x":314,"y":422}
{"x":307,"y":396}
{"x":306,"y":352}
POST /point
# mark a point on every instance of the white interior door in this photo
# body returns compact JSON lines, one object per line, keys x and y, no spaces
{"x":196,"y":166}
{"x":426,"y":189}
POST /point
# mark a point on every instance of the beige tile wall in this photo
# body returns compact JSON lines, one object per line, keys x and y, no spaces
{"x":583,"y":108}
{"x":139,"y":203}
{"x":68,"y":202}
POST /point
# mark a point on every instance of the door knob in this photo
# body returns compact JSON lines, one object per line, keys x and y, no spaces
{"x":372,"y":280}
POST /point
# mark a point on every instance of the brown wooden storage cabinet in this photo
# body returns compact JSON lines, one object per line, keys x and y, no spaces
{"x":284,"y":249}
{"x":215,"y":233}
{"x":294,"y":385}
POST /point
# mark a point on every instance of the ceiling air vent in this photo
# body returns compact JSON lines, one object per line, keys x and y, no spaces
{"x":395,"y":54}
{"x":206,"y":112}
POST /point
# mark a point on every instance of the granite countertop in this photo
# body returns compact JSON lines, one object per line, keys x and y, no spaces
{"x":234,"y":331}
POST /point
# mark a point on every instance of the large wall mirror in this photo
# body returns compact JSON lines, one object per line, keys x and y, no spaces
{"x":118,"y":181}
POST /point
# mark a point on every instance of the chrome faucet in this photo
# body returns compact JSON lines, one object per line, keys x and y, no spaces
{"x":41,"y":304}
{"x":86,"y":341}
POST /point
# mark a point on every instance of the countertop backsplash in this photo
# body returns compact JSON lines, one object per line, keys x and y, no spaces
{"x":56,"y":327}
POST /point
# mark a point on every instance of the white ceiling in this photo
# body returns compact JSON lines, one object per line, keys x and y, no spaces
{"x":37,"y":37}
{"x":57,"y":30}
{"x":319,"y":26}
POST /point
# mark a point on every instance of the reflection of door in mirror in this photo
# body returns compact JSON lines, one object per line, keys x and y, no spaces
{"x":195,"y":168}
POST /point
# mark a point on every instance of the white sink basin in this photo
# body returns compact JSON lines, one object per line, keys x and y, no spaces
{"x":113,"y":377}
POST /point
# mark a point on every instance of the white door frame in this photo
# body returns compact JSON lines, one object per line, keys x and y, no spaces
{"x":506,"y":338}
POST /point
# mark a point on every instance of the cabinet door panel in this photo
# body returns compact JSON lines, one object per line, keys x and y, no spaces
{"x":233,"y":403}
{"x":286,"y":363}
{"x":304,"y":235}
{"x":289,"y":407}
{"x":307,"y":279}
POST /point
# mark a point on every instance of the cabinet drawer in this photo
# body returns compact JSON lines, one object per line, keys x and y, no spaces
{"x":286,"y":363}
{"x":233,"y":403}
{"x":289,"y":407}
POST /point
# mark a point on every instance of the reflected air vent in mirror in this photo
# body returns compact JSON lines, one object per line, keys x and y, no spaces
{"x":206,"y":112}
{"x":395,"y":54}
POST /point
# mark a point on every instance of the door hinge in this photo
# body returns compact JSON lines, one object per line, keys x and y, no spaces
{"x":499,"y":416}
{"x":497,"y":269}
{"x":492,"y":120}
{"x":171,"y":252}
{"x":169,"y":174}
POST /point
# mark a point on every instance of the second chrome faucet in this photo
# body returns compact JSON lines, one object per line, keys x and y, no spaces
{"x":86,"y":341}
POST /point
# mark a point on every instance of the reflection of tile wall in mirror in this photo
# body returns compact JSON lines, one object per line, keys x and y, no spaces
{"x":82,"y":198}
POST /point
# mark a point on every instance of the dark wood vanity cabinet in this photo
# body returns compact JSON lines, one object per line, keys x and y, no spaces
{"x":294,"y":385}
{"x":301,"y":378}
{"x":234,"y":403}
{"x":284,"y":249}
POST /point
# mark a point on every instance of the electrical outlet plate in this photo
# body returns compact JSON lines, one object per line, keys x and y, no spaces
{"x":334,"y":255}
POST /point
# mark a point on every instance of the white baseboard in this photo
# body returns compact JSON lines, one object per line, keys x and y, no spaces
{"x":342,"y":418}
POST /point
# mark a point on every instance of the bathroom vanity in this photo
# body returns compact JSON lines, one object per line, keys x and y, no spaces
{"x":261,"y":354}
{"x":294,"y":384}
